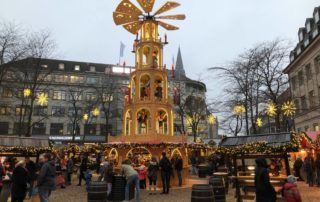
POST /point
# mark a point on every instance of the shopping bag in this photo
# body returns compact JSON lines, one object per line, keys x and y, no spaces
{"x":60,"y":180}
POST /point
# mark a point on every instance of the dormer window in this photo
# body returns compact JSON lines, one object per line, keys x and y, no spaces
{"x":77,"y":68}
{"x":61,"y":66}
{"x":298,"y":51}
{"x":301,"y":35}
{"x":92,"y":68}
{"x":315,"y":33}
{"x":317,"y":16}
{"x":306,"y":42}
{"x":291,"y":57}
{"x":308,"y":26}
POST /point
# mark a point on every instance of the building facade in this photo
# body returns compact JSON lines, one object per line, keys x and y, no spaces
{"x":304,"y":75}
{"x":78,"y":98}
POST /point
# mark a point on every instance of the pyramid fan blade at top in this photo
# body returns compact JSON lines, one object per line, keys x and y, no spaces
{"x":168,"y":26}
{"x":133,"y":27}
{"x":173,"y":17}
{"x":122,"y":18}
{"x":167,"y":6}
{"x":147,"y":5}
{"x":128,"y":8}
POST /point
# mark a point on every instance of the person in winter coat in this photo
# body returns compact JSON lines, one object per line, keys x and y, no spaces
{"x":317,"y":165}
{"x":142,"y":174}
{"x":108,"y":176}
{"x":132,"y":179}
{"x":290,"y":190}
{"x":32,"y":176}
{"x":19,"y":182}
{"x":309,"y":169}
{"x":88,"y":177}
{"x":83,"y":168}
{"x":46,"y":178}
{"x":178,"y":166}
{"x":165,"y":167}
{"x":264,"y":190}
{"x":69,"y":170}
{"x":152,"y":175}
{"x":298,"y":164}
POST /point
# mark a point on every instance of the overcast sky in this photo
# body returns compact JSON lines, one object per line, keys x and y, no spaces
{"x":213,"y":33}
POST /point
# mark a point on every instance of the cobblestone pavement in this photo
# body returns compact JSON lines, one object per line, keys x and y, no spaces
{"x":75,"y":193}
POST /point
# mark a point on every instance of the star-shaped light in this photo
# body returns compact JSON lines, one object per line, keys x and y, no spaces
{"x":271,"y":109}
{"x":259,"y":122}
{"x":96,"y":112}
{"x":288,"y":108}
{"x":239,"y":109}
{"x":85,"y":116}
{"x":26,"y":92}
{"x":212,"y":119}
{"x":43,"y":99}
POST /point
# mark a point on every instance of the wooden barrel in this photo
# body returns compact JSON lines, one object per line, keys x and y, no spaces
{"x":202,"y":193}
{"x":202,"y":171}
{"x":218,"y":188}
{"x":97,"y":192}
{"x":118,"y":189}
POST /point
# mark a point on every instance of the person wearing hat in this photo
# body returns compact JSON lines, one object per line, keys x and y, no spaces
{"x":19,"y":182}
{"x":291,"y":192}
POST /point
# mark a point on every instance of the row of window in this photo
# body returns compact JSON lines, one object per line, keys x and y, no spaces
{"x":306,"y":72}
{"x":61,"y":95}
{"x":55,"y":128}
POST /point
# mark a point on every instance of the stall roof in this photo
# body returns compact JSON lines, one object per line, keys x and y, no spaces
{"x":271,"y":139}
{"x":15,"y":141}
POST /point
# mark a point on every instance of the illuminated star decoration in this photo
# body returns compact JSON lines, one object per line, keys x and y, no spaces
{"x":259,"y":122}
{"x":271,"y":109}
{"x":189,"y":120}
{"x":43,"y":99}
{"x":212,"y":119}
{"x":26,"y":92}
{"x":239,"y":109}
{"x":288,"y":108}
{"x":85,"y":116}
{"x":96,"y":112}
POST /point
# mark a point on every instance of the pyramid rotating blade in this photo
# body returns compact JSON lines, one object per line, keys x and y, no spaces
{"x":122,"y":18}
{"x":128,"y":8}
{"x":133,"y":27}
{"x":147,"y":5}
{"x":168,"y":26}
{"x":167,"y":6}
{"x":173,"y":17}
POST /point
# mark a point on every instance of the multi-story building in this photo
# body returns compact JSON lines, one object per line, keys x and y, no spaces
{"x":78,"y":95}
{"x":304,"y":75}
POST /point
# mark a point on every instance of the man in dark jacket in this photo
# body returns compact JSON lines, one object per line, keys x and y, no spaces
{"x":32,"y":176}
{"x":309,"y":169}
{"x":165,"y":167}
{"x":46,"y":178}
{"x":297,"y":167}
{"x":178,"y":167}
{"x":19,"y":182}
{"x":83,"y":168}
{"x":264,"y":190}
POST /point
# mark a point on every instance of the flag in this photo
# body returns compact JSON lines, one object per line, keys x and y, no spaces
{"x":122,"y":46}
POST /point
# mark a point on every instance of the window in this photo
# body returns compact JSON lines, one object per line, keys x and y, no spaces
{"x":293,"y":82}
{"x":304,"y":103}
{"x":5,"y":110}
{"x":56,"y":129}
{"x":107,"y":97}
{"x":39,"y":129}
{"x":4,"y":128}
{"x":308,"y":26}
{"x":77,"y":68}
{"x":308,"y":72}
{"x":44,"y":66}
{"x":59,"y":95}
{"x":40,"y":110}
{"x":61,"y":66}
{"x":58,"y":111}
{"x":316,"y":16}
{"x":312,"y":99}
{"x":21,"y":110}
{"x":306,"y":42}
{"x":91,"y":97}
{"x":75,"y":95}
{"x":107,"y":70}
{"x":104,"y":129}
{"x":61,"y":78}
{"x":92,"y":68}
{"x":300,"y":77}
{"x":76,"y":79}
{"x":90,"y":129}
{"x":92,"y":80}
{"x":7,"y":92}
{"x":73,"y":129}
{"x":317,"y":64}
{"x":301,"y":35}
{"x":39,"y":92}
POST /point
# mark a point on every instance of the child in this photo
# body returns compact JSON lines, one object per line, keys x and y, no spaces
{"x":88,"y":177}
{"x":142,"y":172}
{"x":291,"y":192}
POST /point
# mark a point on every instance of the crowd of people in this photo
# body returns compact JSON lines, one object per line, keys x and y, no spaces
{"x":311,"y":168}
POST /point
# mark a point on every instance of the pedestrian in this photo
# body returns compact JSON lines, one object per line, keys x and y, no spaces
{"x":132,"y":178}
{"x":69,"y":170}
{"x":46,"y":178}
{"x":32,"y":176}
{"x":317,"y":165}
{"x":19,"y":182}
{"x":193,"y":161}
{"x":83,"y":168}
{"x":178,"y":166}
{"x":98,"y":162}
{"x":63,"y":173}
{"x":2,"y":174}
{"x":108,"y":176}
{"x":290,"y":190}
{"x":152,"y":175}
{"x":264,"y":190}
{"x":142,"y":171}
{"x":8,"y":166}
{"x":88,"y":177}
{"x":165,"y":167}
{"x":298,"y":164}
{"x":309,"y":169}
